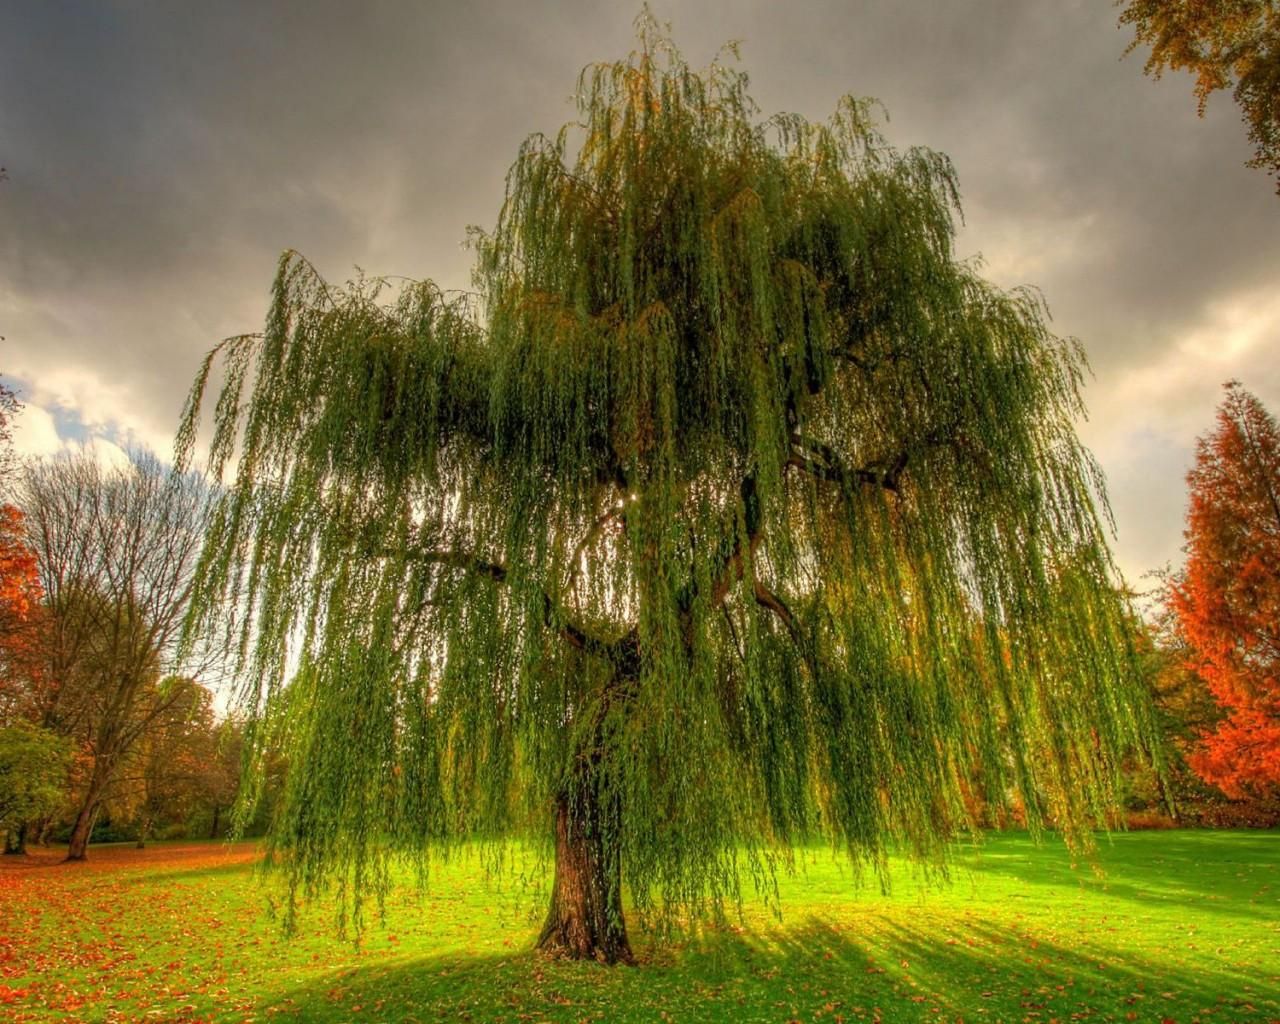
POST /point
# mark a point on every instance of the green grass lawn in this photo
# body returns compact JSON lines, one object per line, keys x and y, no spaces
{"x":1180,"y":926}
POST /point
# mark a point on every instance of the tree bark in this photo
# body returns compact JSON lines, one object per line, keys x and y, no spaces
{"x":78,"y":844}
{"x":585,"y":919}
{"x":15,"y":842}
{"x":1166,"y":798}
{"x":217,"y":813}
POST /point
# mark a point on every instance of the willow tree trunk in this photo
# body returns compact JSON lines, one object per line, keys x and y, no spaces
{"x":585,"y":919}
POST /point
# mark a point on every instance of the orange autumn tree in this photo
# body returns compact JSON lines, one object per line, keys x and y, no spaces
{"x":1227,"y":598}
{"x":19,"y":584}
{"x":20,"y":592}
{"x":32,"y":760}
{"x":1225,"y":44}
{"x":21,"y":620}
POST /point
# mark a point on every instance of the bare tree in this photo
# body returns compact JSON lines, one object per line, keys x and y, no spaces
{"x":117,"y":549}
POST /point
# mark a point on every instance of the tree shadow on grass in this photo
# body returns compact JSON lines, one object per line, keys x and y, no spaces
{"x":1205,"y":872}
{"x":247,"y":868}
{"x":857,"y":968}
{"x":126,"y":865}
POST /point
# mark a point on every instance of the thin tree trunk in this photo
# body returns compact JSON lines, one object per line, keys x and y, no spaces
{"x":217,"y":812}
{"x":1166,"y":798}
{"x":585,"y":919}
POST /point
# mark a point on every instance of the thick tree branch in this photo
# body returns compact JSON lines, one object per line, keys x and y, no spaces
{"x":588,"y":538}
{"x":766,"y":598}
{"x":735,"y":561}
{"x":465,"y":561}
{"x":617,"y":651}
{"x":553,"y":615}
{"x":821,"y":460}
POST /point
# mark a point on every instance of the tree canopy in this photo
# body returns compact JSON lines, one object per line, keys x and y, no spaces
{"x":115,"y":551}
{"x":729,"y":511}
{"x":1226,"y":44}
{"x":20,"y":613}
{"x":34,"y":763}
{"x":1226,"y":600}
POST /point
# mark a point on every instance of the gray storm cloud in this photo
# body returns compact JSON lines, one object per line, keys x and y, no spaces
{"x":160,"y":157}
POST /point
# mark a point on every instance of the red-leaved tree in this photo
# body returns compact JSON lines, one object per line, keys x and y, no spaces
{"x":20,"y":612}
{"x":19,"y":583}
{"x":1227,"y":598}
{"x":20,"y":591}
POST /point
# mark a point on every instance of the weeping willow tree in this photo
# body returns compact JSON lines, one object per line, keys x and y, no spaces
{"x":730,"y":511}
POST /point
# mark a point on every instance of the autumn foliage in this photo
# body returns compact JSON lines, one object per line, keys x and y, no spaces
{"x":19,"y":585}
{"x":20,"y":591}
{"x":1225,"y":44}
{"x":1227,"y":598}
{"x":20,"y":612}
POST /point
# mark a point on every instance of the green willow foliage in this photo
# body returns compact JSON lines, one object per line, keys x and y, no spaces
{"x":730,"y":482}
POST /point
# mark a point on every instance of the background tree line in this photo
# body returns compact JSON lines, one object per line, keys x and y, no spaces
{"x":1216,"y":648}
{"x":106,"y":733}
{"x":107,"y":718}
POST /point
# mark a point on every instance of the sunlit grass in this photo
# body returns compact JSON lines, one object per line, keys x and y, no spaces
{"x":1179,"y":926}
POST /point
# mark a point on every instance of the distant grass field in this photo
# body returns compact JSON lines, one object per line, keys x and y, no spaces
{"x":1182,"y":927}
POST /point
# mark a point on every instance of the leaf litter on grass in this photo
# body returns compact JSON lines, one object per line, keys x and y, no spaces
{"x":178,"y":932}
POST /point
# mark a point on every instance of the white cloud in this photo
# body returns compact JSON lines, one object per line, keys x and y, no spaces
{"x":1171,"y":398}
{"x":1237,"y":337}
{"x":109,"y":413}
{"x":35,"y":432}
{"x":36,"y":435}
{"x":1145,"y":420}
{"x":108,"y":453}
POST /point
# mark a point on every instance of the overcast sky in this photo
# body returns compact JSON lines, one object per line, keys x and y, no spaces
{"x":160,"y":156}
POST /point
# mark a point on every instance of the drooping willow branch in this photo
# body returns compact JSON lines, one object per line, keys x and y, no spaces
{"x":730,"y":471}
